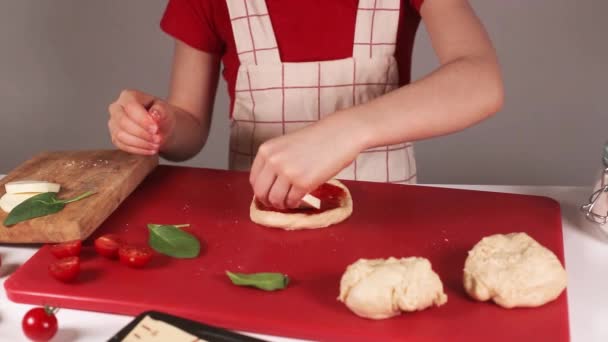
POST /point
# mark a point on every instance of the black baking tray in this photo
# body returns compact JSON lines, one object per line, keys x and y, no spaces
{"x":200,"y":330}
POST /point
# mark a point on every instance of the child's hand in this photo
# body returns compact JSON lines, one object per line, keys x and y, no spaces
{"x":288,"y":167}
{"x":139,"y":123}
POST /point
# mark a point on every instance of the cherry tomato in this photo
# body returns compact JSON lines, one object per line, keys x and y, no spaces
{"x":65,"y":269}
{"x":107,"y":245}
{"x":134,"y":256}
{"x":40,"y":324}
{"x":67,"y":249}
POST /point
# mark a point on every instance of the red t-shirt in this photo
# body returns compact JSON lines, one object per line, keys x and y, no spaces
{"x":311,"y":30}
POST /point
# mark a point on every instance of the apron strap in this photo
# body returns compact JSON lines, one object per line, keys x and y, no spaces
{"x":253,"y":33}
{"x":376,"y":28}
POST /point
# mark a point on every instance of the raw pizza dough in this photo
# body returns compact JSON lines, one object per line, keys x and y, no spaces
{"x":293,"y":221}
{"x":379,"y":288}
{"x":513,"y":270}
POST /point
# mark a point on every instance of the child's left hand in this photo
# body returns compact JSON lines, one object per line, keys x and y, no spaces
{"x":288,"y":167}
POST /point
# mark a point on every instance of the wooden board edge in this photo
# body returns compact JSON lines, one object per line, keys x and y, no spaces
{"x":144,"y":169}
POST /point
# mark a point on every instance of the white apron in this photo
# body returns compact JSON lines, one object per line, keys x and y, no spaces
{"x":273,"y":98}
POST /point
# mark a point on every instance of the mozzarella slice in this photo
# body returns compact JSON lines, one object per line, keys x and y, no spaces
{"x":310,"y":201}
{"x":30,"y":186}
{"x":9,"y":201}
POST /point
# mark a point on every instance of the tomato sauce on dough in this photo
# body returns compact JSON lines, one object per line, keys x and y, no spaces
{"x":331,"y":197}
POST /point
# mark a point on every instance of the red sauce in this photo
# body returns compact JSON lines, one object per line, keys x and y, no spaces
{"x":331,"y":197}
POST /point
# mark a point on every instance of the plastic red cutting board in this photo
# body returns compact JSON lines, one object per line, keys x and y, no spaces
{"x":388,"y":220}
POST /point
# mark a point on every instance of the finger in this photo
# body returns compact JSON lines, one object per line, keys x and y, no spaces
{"x":121,"y":120}
{"x":138,"y":114}
{"x":112,"y":138}
{"x":133,"y":128}
{"x":115,"y":109}
{"x":127,"y":96}
{"x":256,"y":168}
{"x":159,"y":114}
{"x":131,"y":149}
{"x":294,"y":197}
{"x":133,"y":141}
{"x":278,"y":193}
{"x":263,"y":184}
{"x":112,"y":128}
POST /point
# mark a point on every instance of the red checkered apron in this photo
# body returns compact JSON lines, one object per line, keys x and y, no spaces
{"x":273,"y":98}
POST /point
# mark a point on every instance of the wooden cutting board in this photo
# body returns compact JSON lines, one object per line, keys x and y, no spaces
{"x":112,"y":174}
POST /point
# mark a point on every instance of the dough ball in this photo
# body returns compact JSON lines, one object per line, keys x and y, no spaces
{"x":379,"y":288}
{"x":513,"y":270}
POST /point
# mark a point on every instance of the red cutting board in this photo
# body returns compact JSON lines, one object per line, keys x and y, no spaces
{"x":388,"y":220}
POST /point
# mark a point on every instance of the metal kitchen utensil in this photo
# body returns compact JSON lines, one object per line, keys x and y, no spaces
{"x":596,"y":210}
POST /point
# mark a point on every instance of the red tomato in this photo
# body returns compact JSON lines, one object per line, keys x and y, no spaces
{"x":107,"y":245}
{"x":134,"y":256}
{"x":66,"y":249}
{"x":40,"y":324}
{"x":65,"y":269}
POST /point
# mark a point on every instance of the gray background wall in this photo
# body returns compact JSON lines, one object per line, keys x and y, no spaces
{"x":63,"y":61}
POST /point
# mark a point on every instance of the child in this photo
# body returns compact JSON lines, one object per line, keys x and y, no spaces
{"x":318,"y":88}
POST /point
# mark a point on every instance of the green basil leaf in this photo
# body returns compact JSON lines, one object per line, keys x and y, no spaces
{"x":40,"y":205}
{"x":77,"y":198}
{"x":172,"y":241}
{"x":153,"y":225}
{"x":262,"y":281}
{"x":36,"y":206}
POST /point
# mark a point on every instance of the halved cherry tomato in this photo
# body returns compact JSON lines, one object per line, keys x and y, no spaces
{"x":66,"y":249}
{"x":65,"y":269}
{"x":134,"y":256}
{"x":107,"y":245}
{"x":40,"y":324}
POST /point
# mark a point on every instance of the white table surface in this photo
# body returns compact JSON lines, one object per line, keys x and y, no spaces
{"x":586,"y":249}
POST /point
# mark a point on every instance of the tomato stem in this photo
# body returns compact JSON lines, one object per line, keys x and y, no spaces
{"x":50,"y":310}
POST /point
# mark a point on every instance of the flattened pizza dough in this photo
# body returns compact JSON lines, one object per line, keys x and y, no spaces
{"x":383,"y":288}
{"x":513,"y":270}
{"x":304,"y":218}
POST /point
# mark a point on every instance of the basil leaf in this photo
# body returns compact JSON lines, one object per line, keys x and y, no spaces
{"x":262,"y":281}
{"x":78,"y":198}
{"x":172,"y":241}
{"x":153,"y":225}
{"x":40,"y":205}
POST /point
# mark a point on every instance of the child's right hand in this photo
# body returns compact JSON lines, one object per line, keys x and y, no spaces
{"x":140,"y":123}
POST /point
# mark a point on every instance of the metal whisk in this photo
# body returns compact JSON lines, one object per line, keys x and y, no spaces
{"x":595,"y":210}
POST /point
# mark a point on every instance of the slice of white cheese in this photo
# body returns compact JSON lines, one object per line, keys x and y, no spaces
{"x":29,"y":186}
{"x":310,"y":201}
{"x":9,"y":201}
